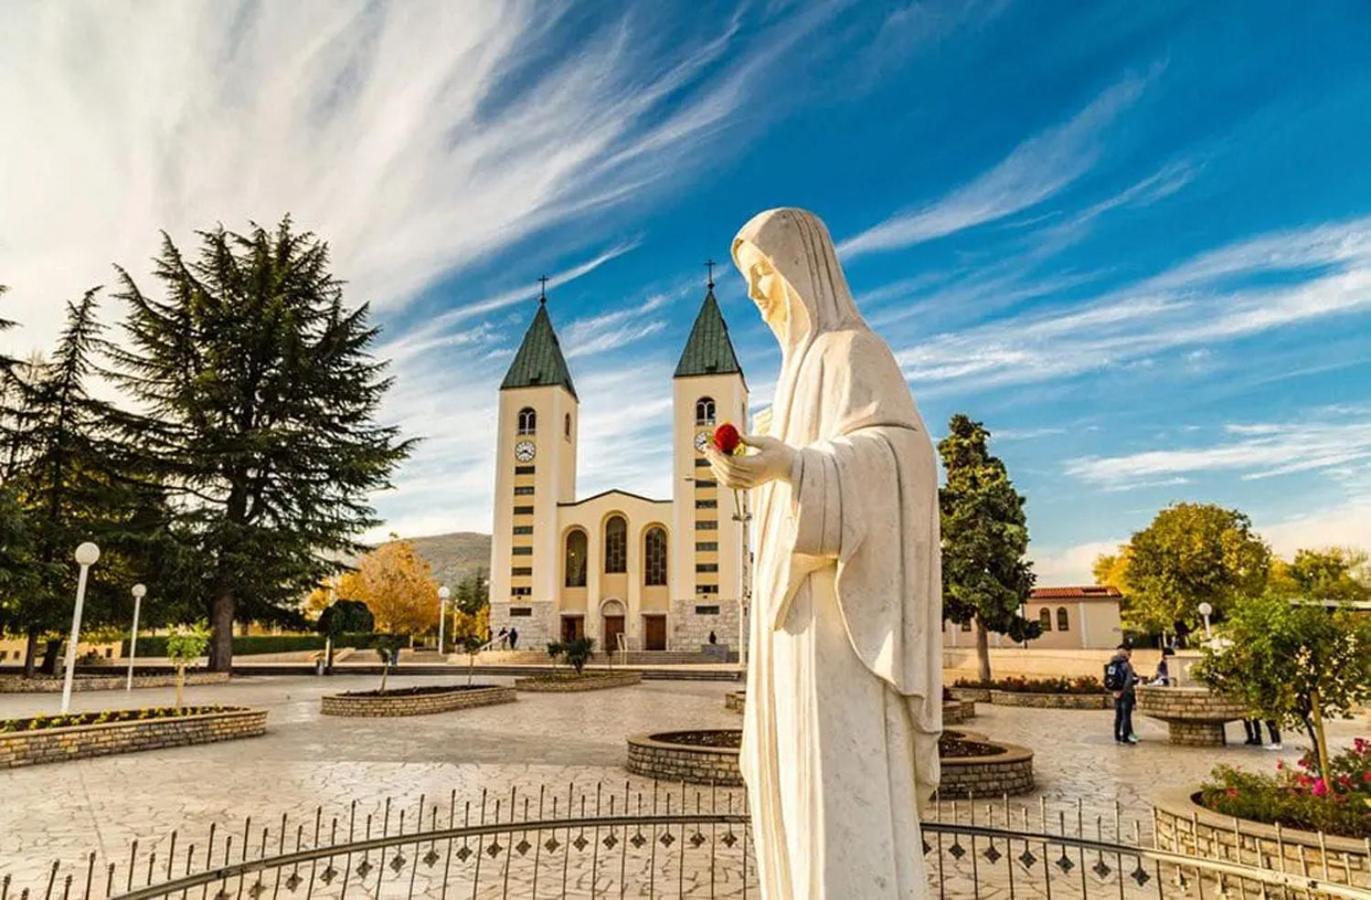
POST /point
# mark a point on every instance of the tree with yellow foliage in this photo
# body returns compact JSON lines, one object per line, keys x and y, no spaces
{"x":397,"y":586}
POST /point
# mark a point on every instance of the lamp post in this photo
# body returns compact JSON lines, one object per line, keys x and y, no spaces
{"x":138,"y":592}
{"x":443,"y":593}
{"x":1205,"y":610}
{"x":86,"y":555}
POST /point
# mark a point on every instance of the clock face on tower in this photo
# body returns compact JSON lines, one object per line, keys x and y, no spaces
{"x":702,"y":440}
{"x":524,"y":451}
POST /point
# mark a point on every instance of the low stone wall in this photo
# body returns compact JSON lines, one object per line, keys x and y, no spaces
{"x":364,"y":706}
{"x":46,"y":684}
{"x":1010,"y":772}
{"x":587,"y":682}
{"x":29,"y":748}
{"x":975,"y":694}
{"x":735,"y":701}
{"x":1194,"y":715}
{"x":1051,"y":701}
{"x":1183,"y":826}
{"x":665,"y":761}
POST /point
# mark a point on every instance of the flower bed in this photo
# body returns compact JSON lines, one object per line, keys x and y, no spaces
{"x":1297,"y":797}
{"x":415,"y":701}
{"x":43,"y":684}
{"x":975,"y":766}
{"x":1051,"y":701}
{"x":1085,"y":684}
{"x":566,"y":682}
{"x":699,"y":757}
{"x":44,"y":739}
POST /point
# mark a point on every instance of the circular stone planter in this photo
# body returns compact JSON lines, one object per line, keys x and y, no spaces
{"x":589,"y":681}
{"x":1194,"y":715}
{"x":1051,"y":701}
{"x":974,"y":694}
{"x":735,"y":701}
{"x":1182,"y":825}
{"x":699,"y":757}
{"x":975,"y":766}
{"x":420,"y":701}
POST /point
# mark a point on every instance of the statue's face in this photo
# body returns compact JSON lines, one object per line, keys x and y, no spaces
{"x":765,"y":285}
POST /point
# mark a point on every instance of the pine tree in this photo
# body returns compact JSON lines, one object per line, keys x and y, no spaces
{"x":986,"y":578}
{"x":65,"y":474}
{"x":264,"y":395}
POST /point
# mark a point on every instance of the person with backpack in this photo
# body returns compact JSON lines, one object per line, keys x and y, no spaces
{"x":1119,"y":678}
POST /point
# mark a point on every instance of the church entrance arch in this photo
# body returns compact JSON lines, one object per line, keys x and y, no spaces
{"x":612,"y":613}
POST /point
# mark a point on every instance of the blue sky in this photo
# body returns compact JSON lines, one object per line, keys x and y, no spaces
{"x":1133,"y":239}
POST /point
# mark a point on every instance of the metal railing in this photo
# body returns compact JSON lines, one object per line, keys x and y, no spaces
{"x":648,"y":841}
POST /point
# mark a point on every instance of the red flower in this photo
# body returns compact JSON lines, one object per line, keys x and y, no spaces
{"x":726,"y":439}
{"x":1366,"y":777}
{"x":1232,"y":793}
{"x":1320,"y":788}
{"x":1302,"y":763}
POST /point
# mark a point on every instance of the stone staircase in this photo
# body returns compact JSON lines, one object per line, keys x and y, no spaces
{"x":540,"y":657}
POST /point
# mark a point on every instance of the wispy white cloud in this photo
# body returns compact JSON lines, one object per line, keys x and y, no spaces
{"x":1337,"y":445}
{"x":1033,"y":171}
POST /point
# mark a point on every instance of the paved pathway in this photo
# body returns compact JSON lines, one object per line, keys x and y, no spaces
{"x":306,"y":761}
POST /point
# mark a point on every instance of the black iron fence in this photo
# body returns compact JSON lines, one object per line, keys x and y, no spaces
{"x":651,"y":841}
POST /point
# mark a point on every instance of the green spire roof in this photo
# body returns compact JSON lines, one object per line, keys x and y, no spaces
{"x":708,"y":351}
{"x":539,"y":361}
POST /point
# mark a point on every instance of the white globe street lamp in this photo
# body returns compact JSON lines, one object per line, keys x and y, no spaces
{"x":443,"y":594}
{"x":1205,"y":610}
{"x":86,"y":556}
{"x":139,"y":591}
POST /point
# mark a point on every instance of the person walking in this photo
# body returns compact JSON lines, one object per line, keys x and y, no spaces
{"x":1253,"y":727}
{"x":513,"y":638}
{"x":1120,"y":679}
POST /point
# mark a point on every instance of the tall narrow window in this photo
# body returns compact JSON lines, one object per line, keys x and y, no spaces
{"x":1045,"y":618}
{"x":576,"y":559}
{"x":616,"y":545}
{"x":566,"y":426}
{"x":1063,"y":620}
{"x":704,"y":411}
{"x":654,"y":557}
{"x":528,"y":421}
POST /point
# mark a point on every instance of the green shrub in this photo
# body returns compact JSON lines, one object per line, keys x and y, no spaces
{"x":248,"y":645}
{"x":38,"y":723}
{"x":1084,"y":684}
{"x":1297,"y":798}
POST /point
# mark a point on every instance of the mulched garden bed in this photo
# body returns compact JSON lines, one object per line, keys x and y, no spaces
{"x":418,"y":691}
{"x":39,"y":723}
{"x":728,"y":738}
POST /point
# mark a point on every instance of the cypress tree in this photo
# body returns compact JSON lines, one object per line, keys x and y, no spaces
{"x":262,"y":395}
{"x":986,"y":578}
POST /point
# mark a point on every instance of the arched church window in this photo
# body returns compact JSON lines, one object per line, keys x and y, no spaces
{"x":1063,"y":620}
{"x":704,"y":411}
{"x":1045,"y":618}
{"x":576,"y":559}
{"x":616,"y":545}
{"x":528,"y":421}
{"x":654,"y":557}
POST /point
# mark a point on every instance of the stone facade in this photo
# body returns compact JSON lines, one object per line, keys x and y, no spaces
{"x":50,"y":745}
{"x":1183,"y":826}
{"x":45,"y":684}
{"x":565,"y":684}
{"x":734,"y":701}
{"x":653,"y":757}
{"x":364,"y":706}
{"x":693,"y":620}
{"x":1195,"y":715}
{"x":1009,"y":772}
{"x":1051,"y":701}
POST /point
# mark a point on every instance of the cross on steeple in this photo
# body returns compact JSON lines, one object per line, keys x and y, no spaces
{"x":710,"y":264}
{"x":542,"y":289}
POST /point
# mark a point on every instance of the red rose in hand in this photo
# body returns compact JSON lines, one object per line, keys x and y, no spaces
{"x":726,"y":439}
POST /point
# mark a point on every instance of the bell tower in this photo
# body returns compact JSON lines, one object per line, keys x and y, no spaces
{"x":708,"y":531}
{"x":535,"y":469}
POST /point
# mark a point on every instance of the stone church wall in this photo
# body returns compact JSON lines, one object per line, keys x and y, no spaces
{"x":690,"y":629}
{"x":535,"y":630}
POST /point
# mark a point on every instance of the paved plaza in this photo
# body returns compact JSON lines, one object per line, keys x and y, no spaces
{"x":306,"y":760}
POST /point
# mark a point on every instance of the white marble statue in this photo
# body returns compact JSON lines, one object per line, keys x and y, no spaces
{"x":844,"y":685}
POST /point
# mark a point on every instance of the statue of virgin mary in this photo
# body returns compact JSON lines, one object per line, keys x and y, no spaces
{"x":844,"y":682}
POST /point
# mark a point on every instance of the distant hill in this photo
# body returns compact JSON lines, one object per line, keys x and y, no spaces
{"x":454,"y":556}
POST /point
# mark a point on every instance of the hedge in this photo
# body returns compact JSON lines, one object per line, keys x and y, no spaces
{"x":156,"y":645}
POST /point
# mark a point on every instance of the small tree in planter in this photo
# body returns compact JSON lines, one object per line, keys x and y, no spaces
{"x":578,"y":652}
{"x":1293,"y":662}
{"x":388,"y":648}
{"x":472,"y":645}
{"x":184,"y":647}
{"x":340,"y":618}
{"x":554,"y":650}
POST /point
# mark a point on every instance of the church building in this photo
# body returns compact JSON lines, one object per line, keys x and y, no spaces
{"x":632,"y":572}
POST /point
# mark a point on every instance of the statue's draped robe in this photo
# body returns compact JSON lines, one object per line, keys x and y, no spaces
{"x":844,"y":694}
